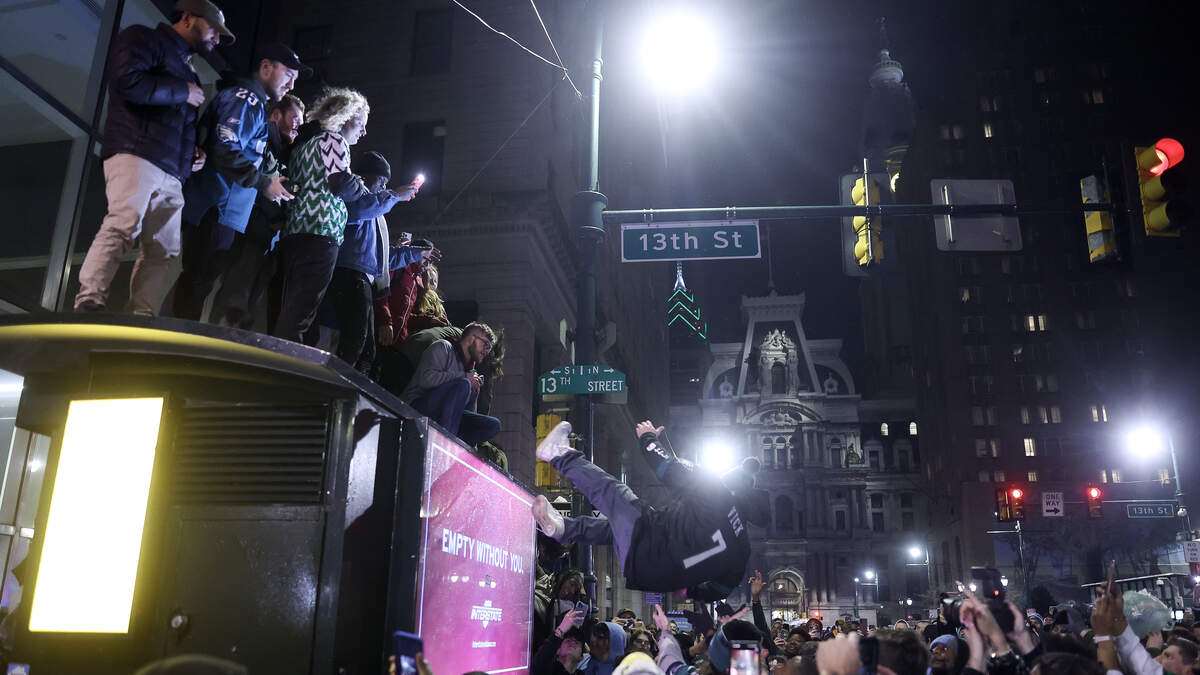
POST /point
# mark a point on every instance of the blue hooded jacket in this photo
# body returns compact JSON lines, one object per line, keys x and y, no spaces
{"x":234,"y":136}
{"x":616,"y":652}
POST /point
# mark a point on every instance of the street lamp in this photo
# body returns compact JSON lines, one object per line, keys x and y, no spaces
{"x":1145,"y":441}
{"x":679,"y":52}
{"x":922,"y":555}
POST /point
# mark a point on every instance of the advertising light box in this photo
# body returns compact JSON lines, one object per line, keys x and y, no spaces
{"x":475,"y":581}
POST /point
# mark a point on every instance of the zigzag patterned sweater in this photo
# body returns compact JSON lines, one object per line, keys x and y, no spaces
{"x":316,"y":210}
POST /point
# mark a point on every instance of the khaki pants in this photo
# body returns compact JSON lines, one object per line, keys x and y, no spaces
{"x":143,"y":201}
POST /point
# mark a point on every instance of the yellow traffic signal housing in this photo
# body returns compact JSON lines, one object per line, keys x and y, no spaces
{"x":868,"y":248}
{"x":1098,"y":224}
{"x":1162,"y":212}
{"x":1003,"y":506}
{"x":544,"y":475}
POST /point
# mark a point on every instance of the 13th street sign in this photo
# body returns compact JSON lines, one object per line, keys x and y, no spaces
{"x":568,"y":380}
{"x":1151,"y":510}
{"x":701,"y":240}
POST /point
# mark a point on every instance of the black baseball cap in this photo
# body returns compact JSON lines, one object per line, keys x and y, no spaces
{"x":209,"y":12}
{"x":277,"y":51}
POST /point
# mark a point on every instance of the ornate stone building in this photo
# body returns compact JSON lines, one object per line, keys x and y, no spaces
{"x":845,"y":495}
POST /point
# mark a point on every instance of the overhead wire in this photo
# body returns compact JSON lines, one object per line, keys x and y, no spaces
{"x":558,"y":65}
{"x":566,"y":73}
{"x":495,"y":154}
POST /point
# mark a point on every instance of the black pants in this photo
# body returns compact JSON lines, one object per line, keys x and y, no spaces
{"x":352,"y":296}
{"x":244,"y":285}
{"x":306,"y":262}
{"x":205,"y":255}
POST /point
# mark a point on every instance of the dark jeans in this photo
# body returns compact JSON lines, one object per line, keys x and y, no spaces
{"x":204,"y":257}
{"x":306,"y":262}
{"x":352,"y":296}
{"x":446,"y":405}
{"x":244,"y":285}
{"x":609,"y":496}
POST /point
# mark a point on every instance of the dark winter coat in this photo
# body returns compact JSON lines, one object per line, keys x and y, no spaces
{"x":148,"y":113}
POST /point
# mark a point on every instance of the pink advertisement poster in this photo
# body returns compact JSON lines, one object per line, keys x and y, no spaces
{"x":475,"y":586}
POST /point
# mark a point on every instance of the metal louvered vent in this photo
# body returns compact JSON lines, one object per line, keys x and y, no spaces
{"x":226,"y":454}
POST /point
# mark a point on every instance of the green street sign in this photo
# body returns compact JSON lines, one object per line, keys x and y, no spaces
{"x":571,"y":380}
{"x":1151,"y":510}
{"x":701,"y":240}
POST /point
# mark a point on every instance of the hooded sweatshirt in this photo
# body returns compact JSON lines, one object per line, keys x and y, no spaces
{"x":616,"y":651}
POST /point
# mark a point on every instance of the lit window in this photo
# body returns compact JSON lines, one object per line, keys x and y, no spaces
{"x":1097,"y":96}
{"x":1099,"y":413}
{"x":958,"y":132}
{"x":977,"y":415}
{"x":1103,"y":475}
{"x":984,"y":476}
{"x":1164,"y":476}
{"x":994,"y":444}
{"x":1030,"y":447}
{"x":1032,"y":476}
{"x":987,"y":130}
{"x":1043,"y":415}
{"x":1042,"y":322}
{"x":883,"y":429}
{"x":912,"y":428}
{"x":964,"y":294}
{"x":1024,"y":414}
{"x":945,"y":129}
{"x":1055,"y":414}
{"x":991,"y":414}
{"x":1030,"y":323}
{"x":998,"y":476}
{"x":1116,"y":475}
{"x":981,"y":447}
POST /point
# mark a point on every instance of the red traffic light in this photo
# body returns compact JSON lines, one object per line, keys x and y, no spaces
{"x":1017,"y":493}
{"x":1169,"y":153}
{"x":1093,"y":493}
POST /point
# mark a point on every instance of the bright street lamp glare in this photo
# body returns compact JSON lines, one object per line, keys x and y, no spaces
{"x":1144,"y":441}
{"x":870,"y":574}
{"x":914,"y":552}
{"x":679,"y":52}
{"x":716,"y":456}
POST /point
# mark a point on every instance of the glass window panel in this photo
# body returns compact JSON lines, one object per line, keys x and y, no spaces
{"x":41,"y":158}
{"x":54,"y":43}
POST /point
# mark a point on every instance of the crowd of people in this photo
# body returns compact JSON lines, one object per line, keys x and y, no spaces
{"x":967,"y":641}
{"x":260,"y":198}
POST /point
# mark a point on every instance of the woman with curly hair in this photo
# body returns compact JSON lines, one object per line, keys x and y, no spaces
{"x":323,"y":185}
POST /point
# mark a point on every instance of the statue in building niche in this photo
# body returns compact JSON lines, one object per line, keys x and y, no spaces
{"x":778,"y":364}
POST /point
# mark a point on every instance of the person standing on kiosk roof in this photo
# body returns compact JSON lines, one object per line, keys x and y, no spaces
{"x":698,"y":542}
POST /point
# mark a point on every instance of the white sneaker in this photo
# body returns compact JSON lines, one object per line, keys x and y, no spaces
{"x":548,"y":518}
{"x":555,"y":444}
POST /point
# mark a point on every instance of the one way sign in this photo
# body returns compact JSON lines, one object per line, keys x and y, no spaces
{"x":1052,"y":504}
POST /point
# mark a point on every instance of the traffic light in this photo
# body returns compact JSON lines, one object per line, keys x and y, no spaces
{"x":544,"y":475}
{"x":1016,"y":500}
{"x":868,"y":248}
{"x":1003,"y":511}
{"x":1095,"y":505}
{"x":1098,"y":224}
{"x":1160,"y":188}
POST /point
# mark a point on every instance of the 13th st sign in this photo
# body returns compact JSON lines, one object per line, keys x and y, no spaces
{"x":702,"y":240}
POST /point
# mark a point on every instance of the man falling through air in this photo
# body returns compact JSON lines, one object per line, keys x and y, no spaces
{"x":698,"y":542}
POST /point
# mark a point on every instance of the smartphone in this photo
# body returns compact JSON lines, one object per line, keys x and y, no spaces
{"x":406,"y":236}
{"x":419,"y":180}
{"x":406,"y":647}
{"x":582,"y":607}
{"x":868,"y":654}
{"x":743,"y":657}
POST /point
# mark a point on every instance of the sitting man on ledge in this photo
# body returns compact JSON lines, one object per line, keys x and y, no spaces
{"x":445,"y":385}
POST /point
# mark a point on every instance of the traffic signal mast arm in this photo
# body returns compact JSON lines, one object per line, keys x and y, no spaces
{"x":842,"y":210}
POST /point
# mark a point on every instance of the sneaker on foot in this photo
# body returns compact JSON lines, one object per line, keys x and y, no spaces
{"x":89,"y":306}
{"x":555,"y":444}
{"x":548,"y":518}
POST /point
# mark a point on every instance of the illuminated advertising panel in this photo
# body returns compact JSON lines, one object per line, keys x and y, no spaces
{"x":475,"y":580}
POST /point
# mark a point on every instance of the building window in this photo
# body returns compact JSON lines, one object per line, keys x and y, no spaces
{"x":877,"y":501}
{"x":1164,"y":476}
{"x":985,"y":104}
{"x":1030,"y":447}
{"x":985,"y":476}
{"x":908,"y":522}
{"x":1035,"y":323}
{"x":1024,"y":414}
{"x":987,"y":130}
{"x":1032,"y":476}
{"x":912,"y":428}
{"x":998,"y":476}
{"x":945,"y":132}
{"x":958,"y":132}
{"x":877,"y":521}
{"x":1051,"y":383}
{"x":1043,"y":415}
{"x":1097,"y":96}
{"x":1055,"y":414}
{"x":1115,"y":474}
{"x":906,"y":500}
{"x":1039,"y":76}
{"x":839,"y":521}
{"x":1099,"y":413}
{"x":883,"y":429}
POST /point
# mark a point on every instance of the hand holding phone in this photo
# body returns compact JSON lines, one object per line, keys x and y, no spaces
{"x":407,"y":647}
{"x":743,"y":657}
{"x":419,"y":180}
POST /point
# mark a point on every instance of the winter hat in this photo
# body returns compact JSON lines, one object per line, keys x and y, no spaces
{"x":950,"y":641}
{"x":372,"y":164}
{"x":1037,"y":619}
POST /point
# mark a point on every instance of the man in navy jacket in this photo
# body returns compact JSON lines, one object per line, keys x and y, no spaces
{"x":234,"y":132}
{"x":149,"y":150}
